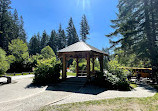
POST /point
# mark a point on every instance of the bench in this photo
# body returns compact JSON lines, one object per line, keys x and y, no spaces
{"x":9,"y":80}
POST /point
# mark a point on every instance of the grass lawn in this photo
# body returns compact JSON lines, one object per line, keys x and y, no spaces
{"x":71,"y":74}
{"x":17,"y":74}
{"x":133,"y":85}
{"x":117,"y":104}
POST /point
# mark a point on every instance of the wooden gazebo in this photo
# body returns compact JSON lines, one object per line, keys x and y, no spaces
{"x":81,"y":50}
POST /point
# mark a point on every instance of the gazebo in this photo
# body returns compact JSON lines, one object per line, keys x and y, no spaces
{"x":81,"y":50}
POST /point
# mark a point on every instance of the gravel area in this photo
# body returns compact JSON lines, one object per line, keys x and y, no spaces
{"x":21,"y":96}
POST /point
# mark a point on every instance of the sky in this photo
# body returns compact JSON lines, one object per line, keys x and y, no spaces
{"x":40,"y":15}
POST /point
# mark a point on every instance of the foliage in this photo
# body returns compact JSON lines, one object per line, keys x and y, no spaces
{"x":47,"y":71}
{"x":84,"y":31}
{"x":44,"y":39}
{"x":116,"y":69}
{"x":34,"y":45}
{"x":19,"y":50}
{"x":130,"y":60}
{"x":82,"y":65}
{"x":137,"y":25}
{"x":53,"y":41}
{"x":11,"y":26}
{"x":19,"y":57}
{"x":47,"y":52}
{"x":61,"y":41}
{"x":4,"y":64}
{"x":111,"y":81}
{"x":71,"y":33}
{"x":11,"y":59}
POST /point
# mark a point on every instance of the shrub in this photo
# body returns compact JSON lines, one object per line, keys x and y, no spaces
{"x":115,"y":68}
{"x":47,"y":71}
{"x":47,"y":52}
{"x":4,"y":64}
{"x":123,"y":85}
{"x":111,"y":81}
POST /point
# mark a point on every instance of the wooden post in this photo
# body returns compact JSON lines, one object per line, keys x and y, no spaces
{"x":101,"y":62}
{"x":77,"y":69}
{"x":64,"y":67}
{"x":88,"y":66}
{"x":93,"y":65}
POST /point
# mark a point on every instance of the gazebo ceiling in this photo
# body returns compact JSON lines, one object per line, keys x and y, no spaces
{"x":80,"y":49}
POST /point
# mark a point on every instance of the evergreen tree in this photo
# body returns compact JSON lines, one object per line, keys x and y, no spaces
{"x":34,"y":45}
{"x":22,"y":33}
{"x":84,"y":31}
{"x":64,"y":41}
{"x":39,"y":42}
{"x":72,"y":36}
{"x":53,"y":41}
{"x":10,"y":26}
{"x":137,"y":23}
{"x":60,"y":38}
{"x":15,"y":24}
{"x":5,"y":23}
{"x":44,"y":39}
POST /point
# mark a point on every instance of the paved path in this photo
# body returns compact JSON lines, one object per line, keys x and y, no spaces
{"x":95,"y":93}
{"x":21,"y":96}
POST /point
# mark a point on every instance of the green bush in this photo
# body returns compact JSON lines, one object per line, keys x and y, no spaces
{"x":47,"y":52}
{"x":111,"y":81}
{"x":47,"y":71}
{"x":123,"y":85}
{"x":116,"y":69}
{"x":4,"y":64}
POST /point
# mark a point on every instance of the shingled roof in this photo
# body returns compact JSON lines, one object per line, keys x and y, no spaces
{"x":80,"y":47}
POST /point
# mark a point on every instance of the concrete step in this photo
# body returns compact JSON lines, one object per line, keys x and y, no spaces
{"x":75,"y":81}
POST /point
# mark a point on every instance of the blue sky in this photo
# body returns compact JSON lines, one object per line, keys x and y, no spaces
{"x":40,"y":15}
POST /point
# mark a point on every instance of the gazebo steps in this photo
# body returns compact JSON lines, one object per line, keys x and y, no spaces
{"x":76,"y":81}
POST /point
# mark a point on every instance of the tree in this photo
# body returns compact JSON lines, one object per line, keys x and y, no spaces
{"x":39,"y":42}
{"x":53,"y":41}
{"x":47,"y":52}
{"x":136,"y":23}
{"x":61,"y":38}
{"x":72,"y":36}
{"x":64,"y":41}
{"x":84,"y":31}
{"x":10,"y":26}
{"x":15,"y":26}
{"x":22,"y":33}
{"x":19,"y":50}
{"x":4,"y":65}
{"x":44,"y":39}
{"x":5,"y":22}
{"x":34,"y":45}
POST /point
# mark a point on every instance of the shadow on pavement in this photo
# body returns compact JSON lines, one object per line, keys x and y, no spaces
{"x":76,"y":85}
{"x":33,"y":86}
{"x":147,"y":87}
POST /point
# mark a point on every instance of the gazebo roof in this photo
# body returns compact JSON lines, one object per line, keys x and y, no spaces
{"x":81,"y":47}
